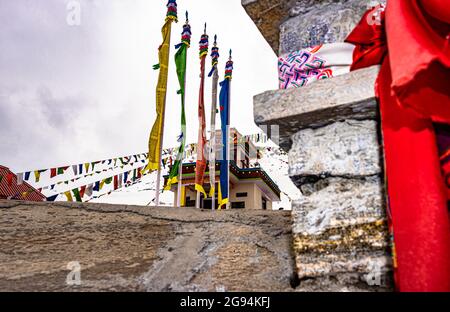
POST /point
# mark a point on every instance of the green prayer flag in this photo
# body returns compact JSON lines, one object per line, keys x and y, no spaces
{"x":180,"y":62}
{"x":77,"y":195}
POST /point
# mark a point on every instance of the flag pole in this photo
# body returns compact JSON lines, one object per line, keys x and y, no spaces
{"x":180,"y":177}
{"x":186,"y":36}
{"x":212,"y":139}
{"x":228,"y":137}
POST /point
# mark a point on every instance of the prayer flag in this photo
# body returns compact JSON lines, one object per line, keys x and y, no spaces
{"x":69,"y":196}
{"x":154,"y":144}
{"x":77,"y":195}
{"x":224,"y":98}
{"x":180,"y":61}
{"x":200,"y":166}
{"x":19,"y":178}
{"x":52,"y":198}
{"x":75,"y":169}
{"x":37,"y":175}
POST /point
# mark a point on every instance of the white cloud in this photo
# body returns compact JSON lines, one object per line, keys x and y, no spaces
{"x":80,"y":93}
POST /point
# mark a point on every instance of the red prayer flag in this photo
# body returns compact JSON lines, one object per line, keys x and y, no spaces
{"x":200,"y":166}
{"x":82,"y":191}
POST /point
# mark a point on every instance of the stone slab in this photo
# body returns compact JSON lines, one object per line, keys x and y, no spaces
{"x":337,"y":202}
{"x":349,"y":96}
{"x":341,"y":238}
{"x":347,"y":148}
{"x":318,"y":22}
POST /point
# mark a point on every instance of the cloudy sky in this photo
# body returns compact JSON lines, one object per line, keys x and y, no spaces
{"x":71,"y":94}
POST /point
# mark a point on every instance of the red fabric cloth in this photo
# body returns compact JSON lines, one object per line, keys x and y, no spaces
{"x":413,"y":89}
{"x":417,"y":195}
{"x":419,"y":49}
{"x":369,"y":39}
{"x":200,"y":166}
{"x":82,"y":191}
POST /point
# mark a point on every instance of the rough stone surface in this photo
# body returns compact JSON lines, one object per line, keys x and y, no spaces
{"x":318,"y":22}
{"x":337,"y":202}
{"x":349,"y":96}
{"x":340,"y":236}
{"x":268,"y":16}
{"x":291,"y":24}
{"x":347,"y":148}
{"x":130,"y":248}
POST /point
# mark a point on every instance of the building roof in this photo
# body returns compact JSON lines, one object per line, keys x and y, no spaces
{"x":241,"y":174}
{"x":15,"y":191}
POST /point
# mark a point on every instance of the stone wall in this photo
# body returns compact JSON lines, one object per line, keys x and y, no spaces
{"x":331,"y":130}
{"x":288,"y":25}
{"x":131,"y":248}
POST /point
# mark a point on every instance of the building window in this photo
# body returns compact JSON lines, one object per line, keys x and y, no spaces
{"x":238,"y":205}
{"x":244,"y":194}
{"x":264,"y":204}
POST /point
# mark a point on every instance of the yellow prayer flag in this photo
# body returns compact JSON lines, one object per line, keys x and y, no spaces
{"x":154,"y":143}
{"x":69,"y":196}
{"x":37,"y":175}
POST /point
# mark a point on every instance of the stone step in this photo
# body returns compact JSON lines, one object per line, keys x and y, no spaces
{"x":349,"y":96}
{"x":341,"y":239}
{"x":348,"y":149}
